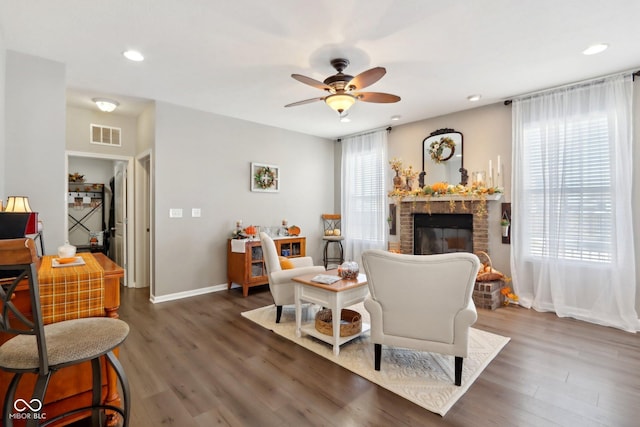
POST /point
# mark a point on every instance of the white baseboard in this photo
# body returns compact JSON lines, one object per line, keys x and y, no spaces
{"x":187,"y":294}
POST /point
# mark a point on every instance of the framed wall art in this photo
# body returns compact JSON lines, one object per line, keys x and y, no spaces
{"x":265,"y":178}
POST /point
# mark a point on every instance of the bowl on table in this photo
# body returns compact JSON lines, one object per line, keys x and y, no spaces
{"x":66,"y":252}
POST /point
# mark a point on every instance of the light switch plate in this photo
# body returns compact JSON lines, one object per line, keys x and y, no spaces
{"x":175,"y":213}
{"x":196,"y":212}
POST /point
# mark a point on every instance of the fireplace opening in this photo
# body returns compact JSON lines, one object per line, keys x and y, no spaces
{"x":442,"y":233}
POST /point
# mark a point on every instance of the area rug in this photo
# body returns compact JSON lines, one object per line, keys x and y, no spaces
{"x":425,"y":379}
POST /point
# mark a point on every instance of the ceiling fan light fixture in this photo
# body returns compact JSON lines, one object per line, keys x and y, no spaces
{"x":106,"y":105}
{"x":340,"y":102}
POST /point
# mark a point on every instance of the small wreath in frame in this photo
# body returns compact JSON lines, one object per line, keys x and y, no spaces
{"x":442,"y":150}
{"x":265,"y":177}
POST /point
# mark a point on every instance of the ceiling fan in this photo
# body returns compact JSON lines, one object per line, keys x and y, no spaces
{"x":343,"y":89}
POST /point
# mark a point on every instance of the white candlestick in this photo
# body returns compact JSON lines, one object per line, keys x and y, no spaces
{"x":499,"y":167}
{"x":490,"y":173}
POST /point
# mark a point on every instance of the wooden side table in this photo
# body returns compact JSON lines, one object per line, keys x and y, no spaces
{"x":336,"y":296}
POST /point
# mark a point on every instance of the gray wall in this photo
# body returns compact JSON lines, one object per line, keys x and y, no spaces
{"x":146,"y":129}
{"x":35,"y":143}
{"x":79,"y":121}
{"x":202,"y":160}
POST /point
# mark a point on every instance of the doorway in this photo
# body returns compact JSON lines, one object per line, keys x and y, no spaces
{"x":115,"y":207}
{"x":144,"y":221}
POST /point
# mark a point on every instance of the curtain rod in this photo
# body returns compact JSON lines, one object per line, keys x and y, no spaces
{"x":525,"y":95}
{"x":388,"y":129}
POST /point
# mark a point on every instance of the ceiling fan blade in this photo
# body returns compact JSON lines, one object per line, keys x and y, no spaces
{"x":367,"y":78}
{"x":376,"y":97}
{"x":306,"y":101}
{"x":311,"y":82}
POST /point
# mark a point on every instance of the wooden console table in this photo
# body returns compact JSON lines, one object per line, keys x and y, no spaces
{"x":71,"y":387}
{"x":247,"y":268}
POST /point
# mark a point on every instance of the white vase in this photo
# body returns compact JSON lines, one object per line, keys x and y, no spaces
{"x":505,"y":231}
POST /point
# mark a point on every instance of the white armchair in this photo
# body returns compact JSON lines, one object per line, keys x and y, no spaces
{"x":281,"y":284}
{"x":423,"y":302}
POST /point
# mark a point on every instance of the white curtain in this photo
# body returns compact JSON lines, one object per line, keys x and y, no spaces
{"x":572,"y":240}
{"x":364,"y":164}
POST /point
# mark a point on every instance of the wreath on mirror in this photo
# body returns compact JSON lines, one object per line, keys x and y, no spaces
{"x":436,"y":149}
{"x":265,"y":177}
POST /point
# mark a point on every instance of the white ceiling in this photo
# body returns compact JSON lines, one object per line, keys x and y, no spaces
{"x":235,"y":57}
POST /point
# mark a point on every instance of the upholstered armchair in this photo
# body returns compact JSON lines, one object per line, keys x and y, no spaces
{"x":281,"y":284}
{"x":422,"y":302}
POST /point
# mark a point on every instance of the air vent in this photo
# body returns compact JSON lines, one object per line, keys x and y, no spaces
{"x":106,"y":135}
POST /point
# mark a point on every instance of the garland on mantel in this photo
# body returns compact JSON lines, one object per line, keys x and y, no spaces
{"x":442,"y":189}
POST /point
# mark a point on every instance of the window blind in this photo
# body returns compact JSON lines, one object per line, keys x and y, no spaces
{"x":366,"y":187}
{"x":569,"y":189}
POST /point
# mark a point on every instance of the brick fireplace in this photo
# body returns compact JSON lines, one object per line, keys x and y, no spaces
{"x":485,"y":294}
{"x":478,"y":208}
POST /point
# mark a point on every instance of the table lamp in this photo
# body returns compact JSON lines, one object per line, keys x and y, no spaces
{"x":21,"y":204}
{"x":18,"y":204}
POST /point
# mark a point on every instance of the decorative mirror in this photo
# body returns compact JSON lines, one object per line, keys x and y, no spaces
{"x":442,"y":155}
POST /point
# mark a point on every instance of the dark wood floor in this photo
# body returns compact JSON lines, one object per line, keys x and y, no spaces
{"x":197,"y":362}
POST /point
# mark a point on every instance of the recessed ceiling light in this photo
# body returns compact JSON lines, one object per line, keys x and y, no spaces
{"x":395,"y":118}
{"x":474,"y":98}
{"x":133,"y":55}
{"x":595,"y":48}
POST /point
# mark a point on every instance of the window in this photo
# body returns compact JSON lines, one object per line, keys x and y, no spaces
{"x":364,"y":195}
{"x":570,"y":198}
{"x":572,"y":246}
{"x":364,"y":160}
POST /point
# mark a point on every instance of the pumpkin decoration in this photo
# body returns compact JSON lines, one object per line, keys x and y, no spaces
{"x":440,"y":187}
{"x":250,"y":230}
{"x":294,"y":230}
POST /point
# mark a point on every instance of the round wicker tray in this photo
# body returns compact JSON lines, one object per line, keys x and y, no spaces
{"x":350,"y":322}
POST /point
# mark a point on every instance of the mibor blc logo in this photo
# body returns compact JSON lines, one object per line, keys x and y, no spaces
{"x":28,"y":410}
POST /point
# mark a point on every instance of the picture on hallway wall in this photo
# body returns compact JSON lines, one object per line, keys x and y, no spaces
{"x":265,"y":178}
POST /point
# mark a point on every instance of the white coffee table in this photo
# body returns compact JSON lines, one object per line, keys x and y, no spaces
{"x":335,"y":296}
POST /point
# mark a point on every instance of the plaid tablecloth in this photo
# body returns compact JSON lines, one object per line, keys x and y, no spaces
{"x":71,"y":292}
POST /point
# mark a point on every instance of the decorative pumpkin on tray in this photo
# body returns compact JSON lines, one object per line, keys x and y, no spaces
{"x":251,"y":230}
{"x":294,"y":230}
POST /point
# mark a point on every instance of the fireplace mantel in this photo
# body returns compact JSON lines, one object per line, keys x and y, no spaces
{"x":449,"y":204}
{"x":454,"y":197}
